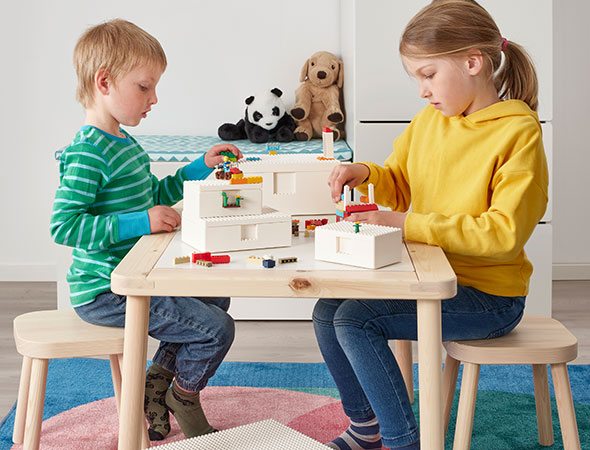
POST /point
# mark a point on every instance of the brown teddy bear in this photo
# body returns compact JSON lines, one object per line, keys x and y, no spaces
{"x":317,"y":100}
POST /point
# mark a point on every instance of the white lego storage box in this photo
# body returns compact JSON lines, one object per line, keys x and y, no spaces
{"x":224,"y":234}
{"x":294,"y":184}
{"x":373,"y":246}
{"x":220,"y":198}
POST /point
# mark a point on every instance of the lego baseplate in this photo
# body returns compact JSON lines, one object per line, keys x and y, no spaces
{"x":263,"y":435}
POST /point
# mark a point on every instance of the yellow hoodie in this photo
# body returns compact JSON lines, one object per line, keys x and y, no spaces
{"x":477,"y":185}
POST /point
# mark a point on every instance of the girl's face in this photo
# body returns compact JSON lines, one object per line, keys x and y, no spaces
{"x":449,"y":83}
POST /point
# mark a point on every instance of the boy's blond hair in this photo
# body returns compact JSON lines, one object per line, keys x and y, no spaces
{"x":118,"y":46}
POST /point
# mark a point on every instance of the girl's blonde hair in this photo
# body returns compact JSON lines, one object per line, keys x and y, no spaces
{"x":452,"y":27}
{"x":118,"y":46}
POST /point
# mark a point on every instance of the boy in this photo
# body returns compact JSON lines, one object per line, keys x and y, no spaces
{"x":108,"y":198}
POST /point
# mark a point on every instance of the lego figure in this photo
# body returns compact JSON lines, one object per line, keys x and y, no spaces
{"x":357,"y":227}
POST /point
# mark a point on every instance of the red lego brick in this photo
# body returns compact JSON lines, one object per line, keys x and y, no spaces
{"x":361,"y":208}
{"x":202,"y":256}
{"x":220,"y":259}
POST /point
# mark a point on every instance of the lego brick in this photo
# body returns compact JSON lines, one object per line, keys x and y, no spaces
{"x":203,"y":256}
{"x":229,"y":155}
{"x":328,"y":142}
{"x":268,"y":263}
{"x":202,"y":262}
{"x":181,"y":259}
{"x":220,"y":259}
{"x":361,"y":207}
{"x":372,"y":246}
{"x":287,"y":259}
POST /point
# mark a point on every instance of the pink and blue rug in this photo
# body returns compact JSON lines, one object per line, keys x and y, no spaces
{"x":80,"y":409}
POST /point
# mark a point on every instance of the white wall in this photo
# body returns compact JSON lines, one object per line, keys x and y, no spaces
{"x":220,"y":52}
{"x":571,"y":163}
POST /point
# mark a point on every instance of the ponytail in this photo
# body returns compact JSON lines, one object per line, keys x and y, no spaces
{"x":517,"y":78}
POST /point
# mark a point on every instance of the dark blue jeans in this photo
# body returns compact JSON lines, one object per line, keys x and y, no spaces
{"x":195,"y":334}
{"x":353,"y":335}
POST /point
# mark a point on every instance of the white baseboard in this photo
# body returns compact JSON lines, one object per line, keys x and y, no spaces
{"x":571,"y":271}
{"x":28,"y":272}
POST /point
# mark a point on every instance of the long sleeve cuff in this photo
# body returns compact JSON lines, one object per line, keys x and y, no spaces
{"x":196,"y":170}
{"x":133,"y":224}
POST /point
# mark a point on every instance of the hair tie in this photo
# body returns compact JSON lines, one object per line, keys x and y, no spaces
{"x":504,"y":45}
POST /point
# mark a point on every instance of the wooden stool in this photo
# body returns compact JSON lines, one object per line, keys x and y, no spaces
{"x":43,"y":335}
{"x":537,"y":341}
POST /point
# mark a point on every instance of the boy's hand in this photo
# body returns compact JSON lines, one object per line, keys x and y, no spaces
{"x":163,"y":219}
{"x":350,"y":174}
{"x":213,"y":157}
{"x":387,"y":218}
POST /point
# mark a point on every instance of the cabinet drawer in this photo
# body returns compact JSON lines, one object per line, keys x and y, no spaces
{"x":384,"y":91}
{"x":374,"y":142}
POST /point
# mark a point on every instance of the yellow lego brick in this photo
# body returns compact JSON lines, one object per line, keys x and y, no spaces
{"x":254,"y":180}
{"x":182,"y":259}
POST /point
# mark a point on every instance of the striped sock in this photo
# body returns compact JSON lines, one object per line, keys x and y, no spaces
{"x":358,"y":436}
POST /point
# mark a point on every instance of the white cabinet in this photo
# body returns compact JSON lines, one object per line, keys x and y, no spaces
{"x":540,"y":252}
{"x":381,"y":99}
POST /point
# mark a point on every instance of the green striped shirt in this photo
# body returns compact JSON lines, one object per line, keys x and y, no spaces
{"x":101,"y":204}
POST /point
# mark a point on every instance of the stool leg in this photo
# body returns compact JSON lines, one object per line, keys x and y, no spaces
{"x":466,"y":410}
{"x":565,"y":407}
{"x":450,"y":374}
{"x":35,"y":404}
{"x":18,"y":432}
{"x":543,"y":405}
{"x":116,"y":376}
{"x":403,"y":356}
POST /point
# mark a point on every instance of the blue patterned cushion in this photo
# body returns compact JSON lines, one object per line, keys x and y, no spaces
{"x":175,"y":148}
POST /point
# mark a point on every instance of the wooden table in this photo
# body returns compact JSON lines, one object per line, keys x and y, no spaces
{"x":425,"y":276}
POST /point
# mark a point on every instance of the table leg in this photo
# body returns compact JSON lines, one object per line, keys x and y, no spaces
{"x":430,"y":374}
{"x":133,"y":374}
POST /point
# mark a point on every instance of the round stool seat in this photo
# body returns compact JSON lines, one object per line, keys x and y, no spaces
{"x":62,"y":334}
{"x":535,"y":340}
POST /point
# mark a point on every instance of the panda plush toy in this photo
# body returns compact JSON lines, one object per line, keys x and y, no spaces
{"x":266,"y":119}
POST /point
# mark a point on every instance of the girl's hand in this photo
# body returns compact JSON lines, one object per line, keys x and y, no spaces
{"x":213,"y":157}
{"x":346,"y":174}
{"x":387,"y":218}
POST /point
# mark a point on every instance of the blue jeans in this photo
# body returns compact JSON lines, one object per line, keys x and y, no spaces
{"x":353,"y":335}
{"x":195,"y":334}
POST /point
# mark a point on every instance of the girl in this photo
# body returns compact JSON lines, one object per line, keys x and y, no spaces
{"x":473,"y":167}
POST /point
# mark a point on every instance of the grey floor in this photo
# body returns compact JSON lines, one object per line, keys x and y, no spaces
{"x":255,"y":341}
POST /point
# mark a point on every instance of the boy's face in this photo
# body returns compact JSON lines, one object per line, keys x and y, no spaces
{"x":447,"y":83}
{"x":132,"y":95}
